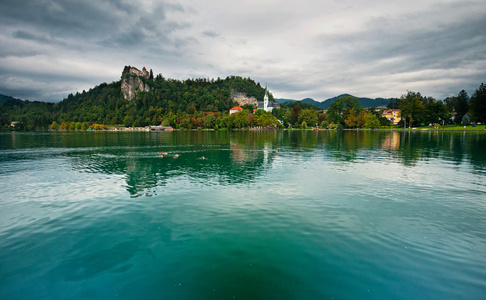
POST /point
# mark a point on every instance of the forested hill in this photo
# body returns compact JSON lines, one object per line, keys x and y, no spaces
{"x":105,"y":104}
{"x":365,"y":102}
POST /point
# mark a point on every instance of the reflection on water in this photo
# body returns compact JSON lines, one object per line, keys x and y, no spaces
{"x":226,"y":158}
{"x":265,"y":215}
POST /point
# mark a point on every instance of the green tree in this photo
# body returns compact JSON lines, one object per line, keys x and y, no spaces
{"x":335,"y":111}
{"x":412,"y":108}
{"x":342,"y":108}
{"x":478,"y":105}
{"x":352,"y":119}
{"x":248,"y":107}
{"x":322,"y":117}
{"x":371,"y":120}
{"x":241,"y":119}
{"x":435,"y":112}
{"x":265,"y":120}
{"x":287,"y":120}
{"x":210,"y":121}
{"x":324,"y":124}
{"x":459,"y":105}
{"x":54,"y":126}
{"x":295,"y":112}
{"x":279,"y":113}
{"x":309,"y":116}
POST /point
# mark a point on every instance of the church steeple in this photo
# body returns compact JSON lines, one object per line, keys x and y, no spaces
{"x":265,"y":99}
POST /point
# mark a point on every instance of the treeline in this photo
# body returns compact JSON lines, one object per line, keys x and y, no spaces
{"x":418,"y":110}
{"x":168,"y":99}
{"x":204,"y":103}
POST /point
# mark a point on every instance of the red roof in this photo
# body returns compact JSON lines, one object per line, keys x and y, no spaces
{"x":237,"y":108}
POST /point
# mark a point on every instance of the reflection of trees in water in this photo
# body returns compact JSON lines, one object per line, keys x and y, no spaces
{"x":238,"y":157}
{"x":229,"y":158}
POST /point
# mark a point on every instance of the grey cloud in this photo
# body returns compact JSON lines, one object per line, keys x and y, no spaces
{"x":444,"y":46}
{"x":21,"y":34}
{"x":174,"y":7}
{"x":210,"y":34}
{"x":380,"y":57}
{"x":89,"y":21}
{"x":418,"y":50}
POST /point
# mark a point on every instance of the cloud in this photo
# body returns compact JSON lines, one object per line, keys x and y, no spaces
{"x":210,"y":33}
{"x":403,"y":54}
{"x":308,"y":48}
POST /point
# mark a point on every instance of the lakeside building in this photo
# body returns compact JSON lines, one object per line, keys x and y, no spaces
{"x":161,"y":128}
{"x":243,"y":99}
{"x":270,"y":105}
{"x":394,"y":115}
{"x":235,"y":110}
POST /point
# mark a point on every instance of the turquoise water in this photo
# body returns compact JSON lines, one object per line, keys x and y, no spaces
{"x":265,"y":215}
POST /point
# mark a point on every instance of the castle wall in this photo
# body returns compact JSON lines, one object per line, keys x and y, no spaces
{"x":132,"y":83}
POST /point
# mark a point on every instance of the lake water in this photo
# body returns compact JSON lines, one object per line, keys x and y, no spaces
{"x":266,"y":215}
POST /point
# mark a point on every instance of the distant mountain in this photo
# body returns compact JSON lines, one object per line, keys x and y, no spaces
{"x":4,"y":98}
{"x":281,"y":100}
{"x":311,"y":101}
{"x":365,"y":102}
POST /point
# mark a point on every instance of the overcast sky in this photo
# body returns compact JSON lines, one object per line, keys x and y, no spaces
{"x":304,"y":48}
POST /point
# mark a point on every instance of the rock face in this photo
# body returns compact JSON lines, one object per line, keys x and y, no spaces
{"x":243,"y":99}
{"x":133,"y":81}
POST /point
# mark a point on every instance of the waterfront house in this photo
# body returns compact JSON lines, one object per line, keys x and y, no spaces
{"x":161,"y":128}
{"x":394,"y":115}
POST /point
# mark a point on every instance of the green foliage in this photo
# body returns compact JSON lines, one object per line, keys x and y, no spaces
{"x":248,"y":107}
{"x":478,"y":104}
{"x":205,"y":103}
{"x":412,"y":108}
{"x":54,"y":126}
{"x":352,"y":120}
{"x":309,"y":116}
{"x":346,"y":107}
{"x":459,"y":105}
{"x":241,"y":119}
{"x":371,"y":120}
{"x":104,"y":104}
{"x":265,"y":119}
{"x":435,"y":112}
{"x":29,"y":115}
{"x":294,"y":117}
{"x":210,"y":121}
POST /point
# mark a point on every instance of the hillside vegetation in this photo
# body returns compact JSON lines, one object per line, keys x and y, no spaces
{"x":104,"y":104}
{"x":205,"y":103}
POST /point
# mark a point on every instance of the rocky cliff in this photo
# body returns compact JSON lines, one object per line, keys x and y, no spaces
{"x":133,"y":81}
{"x":243,"y":99}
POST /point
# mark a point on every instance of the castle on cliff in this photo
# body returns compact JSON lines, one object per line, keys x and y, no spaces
{"x":132,"y":81}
